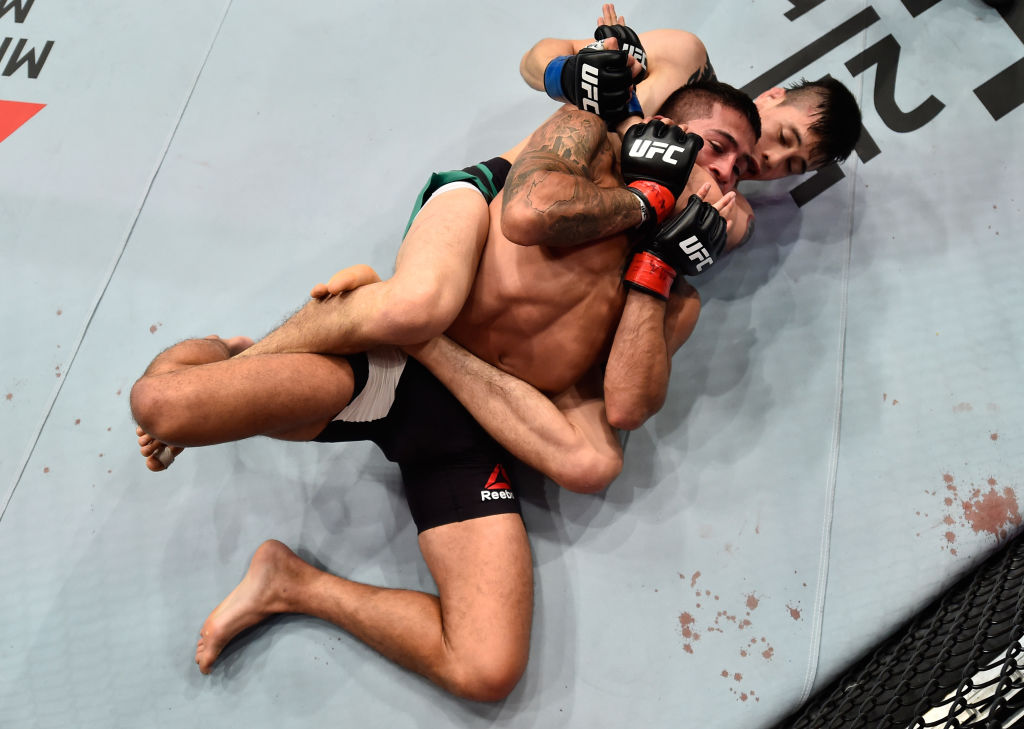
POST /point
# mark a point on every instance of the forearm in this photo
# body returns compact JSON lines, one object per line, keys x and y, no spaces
{"x":639,"y":363}
{"x":535,"y":60}
{"x":550,"y":197}
{"x":560,"y":209}
{"x":571,"y":442}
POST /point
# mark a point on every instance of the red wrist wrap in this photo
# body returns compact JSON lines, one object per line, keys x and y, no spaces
{"x":659,"y":196}
{"x":651,"y":274}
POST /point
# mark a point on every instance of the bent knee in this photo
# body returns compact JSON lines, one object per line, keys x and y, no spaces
{"x":144,"y":403}
{"x":492,"y":679}
{"x":155,"y":411}
{"x":421,"y":307}
{"x":589,"y":473}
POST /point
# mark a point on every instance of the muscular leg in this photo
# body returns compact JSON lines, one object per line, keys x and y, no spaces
{"x":434,"y":272}
{"x":472,"y":639}
{"x":197,"y":393}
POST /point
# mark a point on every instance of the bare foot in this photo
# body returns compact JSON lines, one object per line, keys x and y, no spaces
{"x":235,"y":345}
{"x":271,"y":572}
{"x":159,"y":456}
{"x":345,"y":280}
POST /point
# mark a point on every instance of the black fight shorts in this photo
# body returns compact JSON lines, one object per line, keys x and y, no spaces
{"x":451,"y":468}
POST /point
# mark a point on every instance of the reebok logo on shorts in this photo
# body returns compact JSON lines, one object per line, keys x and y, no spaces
{"x":497,"y":486}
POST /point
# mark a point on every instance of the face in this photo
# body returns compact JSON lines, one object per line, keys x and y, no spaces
{"x":728,"y":145}
{"x":786,"y":140}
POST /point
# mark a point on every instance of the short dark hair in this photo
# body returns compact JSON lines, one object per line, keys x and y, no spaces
{"x":695,"y":101}
{"x":837,"y":121}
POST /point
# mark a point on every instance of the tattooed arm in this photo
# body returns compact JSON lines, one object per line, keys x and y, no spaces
{"x":564,"y":188}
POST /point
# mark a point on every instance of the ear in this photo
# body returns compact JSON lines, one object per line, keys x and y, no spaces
{"x":771,"y":97}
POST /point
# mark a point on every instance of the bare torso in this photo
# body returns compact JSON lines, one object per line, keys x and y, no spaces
{"x":545,"y":315}
{"x":548,"y":315}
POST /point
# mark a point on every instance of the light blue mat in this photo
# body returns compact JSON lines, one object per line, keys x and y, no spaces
{"x":842,"y":438}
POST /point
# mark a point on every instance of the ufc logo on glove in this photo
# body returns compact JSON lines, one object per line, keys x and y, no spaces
{"x":646,"y":148}
{"x":588,"y":83}
{"x":638,"y":53}
{"x":697,"y":252}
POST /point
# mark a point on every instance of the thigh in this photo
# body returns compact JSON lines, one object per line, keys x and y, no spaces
{"x":444,"y":243}
{"x":284,"y":396}
{"x":484,"y":575}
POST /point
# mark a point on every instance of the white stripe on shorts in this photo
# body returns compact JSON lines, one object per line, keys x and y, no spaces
{"x":386,"y":365}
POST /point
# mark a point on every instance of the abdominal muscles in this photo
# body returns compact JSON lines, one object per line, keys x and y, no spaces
{"x":544,"y":315}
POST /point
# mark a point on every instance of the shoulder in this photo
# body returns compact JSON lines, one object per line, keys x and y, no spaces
{"x":671,"y":41}
{"x":674,"y":59}
{"x":669,"y":44}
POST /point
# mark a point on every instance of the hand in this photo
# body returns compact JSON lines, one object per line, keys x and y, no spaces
{"x":690,"y":243}
{"x":629,"y":42}
{"x":608,"y":16}
{"x":657,"y":158}
{"x":598,"y":79}
{"x":345,"y":280}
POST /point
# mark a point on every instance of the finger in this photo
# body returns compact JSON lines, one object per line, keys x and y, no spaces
{"x":703,"y":190}
{"x":319,"y":291}
{"x":725,"y":202}
{"x":635,"y":69}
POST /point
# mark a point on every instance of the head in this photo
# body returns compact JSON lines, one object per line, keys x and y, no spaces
{"x":728,"y":121}
{"x":804,"y":127}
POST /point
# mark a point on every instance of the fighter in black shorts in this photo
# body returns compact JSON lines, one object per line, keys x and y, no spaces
{"x":451,"y":468}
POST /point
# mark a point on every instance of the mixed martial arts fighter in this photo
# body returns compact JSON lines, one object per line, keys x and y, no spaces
{"x":544,"y":314}
{"x":803,"y":127}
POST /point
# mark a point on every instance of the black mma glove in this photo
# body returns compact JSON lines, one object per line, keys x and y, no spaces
{"x":593,"y":80}
{"x":690,"y":243}
{"x":656,"y":162}
{"x":629,"y":42}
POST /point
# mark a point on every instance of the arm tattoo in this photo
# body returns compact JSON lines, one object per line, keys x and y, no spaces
{"x":704,"y":73}
{"x":553,"y":176}
{"x":559,"y":145}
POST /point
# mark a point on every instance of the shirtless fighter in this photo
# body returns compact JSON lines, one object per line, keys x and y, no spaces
{"x":545,"y":314}
{"x":804,"y":127}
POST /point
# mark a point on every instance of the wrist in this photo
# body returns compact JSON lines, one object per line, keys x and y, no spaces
{"x":553,"y":79}
{"x":658,"y":198}
{"x":650,"y":275}
{"x":626,"y":123}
